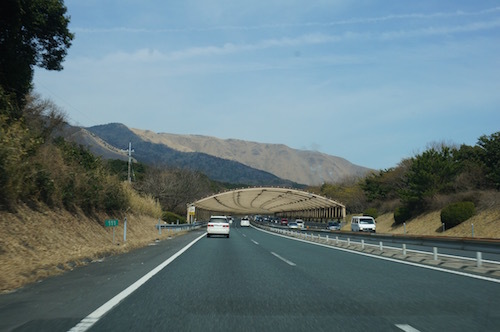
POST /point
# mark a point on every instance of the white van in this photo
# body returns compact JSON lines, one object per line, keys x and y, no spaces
{"x":363,"y":224}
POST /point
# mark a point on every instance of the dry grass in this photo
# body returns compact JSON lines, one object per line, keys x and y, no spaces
{"x":486,"y":225}
{"x":141,"y":204}
{"x":38,"y":244}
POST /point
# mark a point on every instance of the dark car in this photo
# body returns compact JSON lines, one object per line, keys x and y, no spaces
{"x":284,"y":222}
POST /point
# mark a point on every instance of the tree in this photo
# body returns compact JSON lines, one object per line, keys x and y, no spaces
{"x":32,"y":33}
{"x":473,"y":171}
{"x":491,"y":156}
{"x":430,"y":173}
{"x":174,"y":188}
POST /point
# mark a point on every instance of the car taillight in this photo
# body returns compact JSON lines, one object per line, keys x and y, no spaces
{"x":225,"y":226}
{"x":210,"y":225}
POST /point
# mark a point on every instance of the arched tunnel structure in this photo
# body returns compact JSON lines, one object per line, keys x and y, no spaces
{"x":282,"y":202}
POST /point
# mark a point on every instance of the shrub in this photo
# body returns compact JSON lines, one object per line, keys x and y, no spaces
{"x":115,"y":198}
{"x":402,"y":214}
{"x":171,"y":217}
{"x":372,"y":212}
{"x":456,"y":213}
{"x":141,"y":204}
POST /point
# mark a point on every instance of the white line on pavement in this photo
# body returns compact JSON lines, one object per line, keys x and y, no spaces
{"x":429,"y":267}
{"x":254,"y":241}
{"x":284,"y":259}
{"x":406,"y":328}
{"x":93,"y":317}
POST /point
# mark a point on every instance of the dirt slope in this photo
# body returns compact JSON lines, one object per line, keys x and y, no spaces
{"x":37,"y":244}
{"x":486,"y":225}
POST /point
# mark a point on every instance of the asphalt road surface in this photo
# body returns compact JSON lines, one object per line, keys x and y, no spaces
{"x":256,"y":281}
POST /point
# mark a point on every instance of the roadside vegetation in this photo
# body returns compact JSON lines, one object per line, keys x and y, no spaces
{"x":457,"y":179}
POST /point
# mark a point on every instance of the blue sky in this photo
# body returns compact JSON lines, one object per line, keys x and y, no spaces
{"x":370,"y":81}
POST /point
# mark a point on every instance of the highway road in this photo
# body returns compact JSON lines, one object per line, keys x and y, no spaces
{"x":255,"y":281}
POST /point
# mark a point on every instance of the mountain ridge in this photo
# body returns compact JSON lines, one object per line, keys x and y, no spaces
{"x":301,"y":166}
{"x":218,"y":169}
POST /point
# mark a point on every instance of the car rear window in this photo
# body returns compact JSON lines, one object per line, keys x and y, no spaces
{"x":218,"y":220}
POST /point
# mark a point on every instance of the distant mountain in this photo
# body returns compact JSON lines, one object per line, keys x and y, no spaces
{"x":301,"y":166}
{"x":94,"y":143}
{"x":149,"y":152}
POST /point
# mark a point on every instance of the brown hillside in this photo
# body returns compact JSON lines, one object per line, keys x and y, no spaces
{"x":38,"y":244}
{"x":301,"y":166}
{"x":486,"y":225}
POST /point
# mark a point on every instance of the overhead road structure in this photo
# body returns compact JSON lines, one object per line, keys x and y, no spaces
{"x":283,"y":202}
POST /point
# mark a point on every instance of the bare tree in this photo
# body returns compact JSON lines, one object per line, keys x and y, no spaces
{"x":174,"y":188}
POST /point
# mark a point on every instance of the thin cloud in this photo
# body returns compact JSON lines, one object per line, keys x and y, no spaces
{"x":367,"y":20}
{"x":445,"y":30}
{"x":299,"y":41}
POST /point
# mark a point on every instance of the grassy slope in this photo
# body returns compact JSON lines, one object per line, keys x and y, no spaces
{"x":486,"y":225}
{"x":34,"y":245}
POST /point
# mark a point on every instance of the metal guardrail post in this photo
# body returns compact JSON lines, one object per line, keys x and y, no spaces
{"x":435,"y":253}
{"x":337,"y":240}
{"x":404,"y":249}
{"x":479,"y":259}
{"x":363,"y":244}
{"x":348,"y":241}
{"x":381,"y":246}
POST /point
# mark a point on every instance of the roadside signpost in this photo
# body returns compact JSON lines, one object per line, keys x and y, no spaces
{"x":111,"y":223}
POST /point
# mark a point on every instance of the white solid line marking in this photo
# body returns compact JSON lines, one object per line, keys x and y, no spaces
{"x":93,"y":317}
{"x":244,"y":235}
{"x":406,"y":328}
{"x":254,"y":241}
{"x":284,"y":259}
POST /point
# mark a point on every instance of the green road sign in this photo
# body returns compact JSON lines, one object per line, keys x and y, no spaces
{"x":111,"y":223}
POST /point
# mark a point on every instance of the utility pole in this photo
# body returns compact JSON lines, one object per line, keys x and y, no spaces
{"x":130,"y":150}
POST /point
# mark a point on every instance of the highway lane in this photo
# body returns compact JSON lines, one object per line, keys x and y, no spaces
{"x":255,"y":281}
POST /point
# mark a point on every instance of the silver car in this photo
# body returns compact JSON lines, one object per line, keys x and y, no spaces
{"x":334,"y":226}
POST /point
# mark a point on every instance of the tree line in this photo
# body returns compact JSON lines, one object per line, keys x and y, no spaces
{"x":441,"y":174}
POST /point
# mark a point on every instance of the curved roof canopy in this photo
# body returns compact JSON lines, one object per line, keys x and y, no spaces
{"x":264,"y":200}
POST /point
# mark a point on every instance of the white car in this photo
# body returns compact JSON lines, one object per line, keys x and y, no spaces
{"x":300,"y":223}
{"x":363,"y":224}
{"x":245,"y":222}
{"x":218,"y":225}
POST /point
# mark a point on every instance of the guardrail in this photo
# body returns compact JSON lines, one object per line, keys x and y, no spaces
{"x":476,"y":246}
{"x":180,"y":227}
{"x":491,"y":246}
